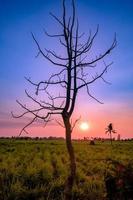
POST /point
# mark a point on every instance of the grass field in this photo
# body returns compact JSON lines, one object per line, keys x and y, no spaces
{"x":37,"y":170}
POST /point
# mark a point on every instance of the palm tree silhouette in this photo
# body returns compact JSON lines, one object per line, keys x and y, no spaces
{"x":109,"y":131}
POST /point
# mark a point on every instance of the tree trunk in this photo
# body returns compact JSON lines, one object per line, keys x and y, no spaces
{"x":111,"y":137}
{"x":71,"y":176}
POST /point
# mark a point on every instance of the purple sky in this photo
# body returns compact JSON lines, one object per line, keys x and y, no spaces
{"x":17,"y":60}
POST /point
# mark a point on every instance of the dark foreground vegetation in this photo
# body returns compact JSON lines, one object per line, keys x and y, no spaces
{"x":37,"y":170}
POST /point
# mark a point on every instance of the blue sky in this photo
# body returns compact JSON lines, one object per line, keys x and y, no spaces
{"x":17,"y":49}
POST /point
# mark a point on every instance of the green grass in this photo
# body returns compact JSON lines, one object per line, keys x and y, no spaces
{"x":37,"y":170}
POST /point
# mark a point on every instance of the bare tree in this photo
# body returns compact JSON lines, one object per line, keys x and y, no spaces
{"x":110,"y":130}
{"x":71,"y":77}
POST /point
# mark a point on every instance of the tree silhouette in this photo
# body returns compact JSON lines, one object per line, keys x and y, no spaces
{"x":110,"y":130}
{"x":71,"y":77}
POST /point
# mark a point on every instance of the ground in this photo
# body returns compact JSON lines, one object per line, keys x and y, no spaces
{"x":37,"y":169}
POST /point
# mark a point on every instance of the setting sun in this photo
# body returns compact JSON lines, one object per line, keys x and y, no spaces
{"x":84,"y":126}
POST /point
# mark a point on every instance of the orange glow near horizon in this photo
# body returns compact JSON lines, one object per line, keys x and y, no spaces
{"x":97,"y":117}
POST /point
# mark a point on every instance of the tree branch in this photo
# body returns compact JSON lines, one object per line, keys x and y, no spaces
{"x":97,"y":77}
{"x":44,"y":55}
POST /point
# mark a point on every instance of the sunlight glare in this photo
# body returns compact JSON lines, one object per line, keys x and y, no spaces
{"x":84,"y":126}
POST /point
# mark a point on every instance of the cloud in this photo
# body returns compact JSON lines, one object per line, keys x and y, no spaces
{"x":7,"y":121}
{"x":10,"y":124}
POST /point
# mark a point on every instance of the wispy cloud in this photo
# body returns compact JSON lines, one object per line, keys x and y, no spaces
{"x":7,"y":121}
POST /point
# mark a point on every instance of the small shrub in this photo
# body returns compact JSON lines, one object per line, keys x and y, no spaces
{"x":119,"y":184}
{"x":92,"y":142}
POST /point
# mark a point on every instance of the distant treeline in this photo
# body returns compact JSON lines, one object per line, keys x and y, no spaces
{"x":34,"y":138}
{"x":62,"y":138}
{"x":106,"y":139}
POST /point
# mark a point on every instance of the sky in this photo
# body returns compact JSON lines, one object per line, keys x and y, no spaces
{"x":18,"y":18}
